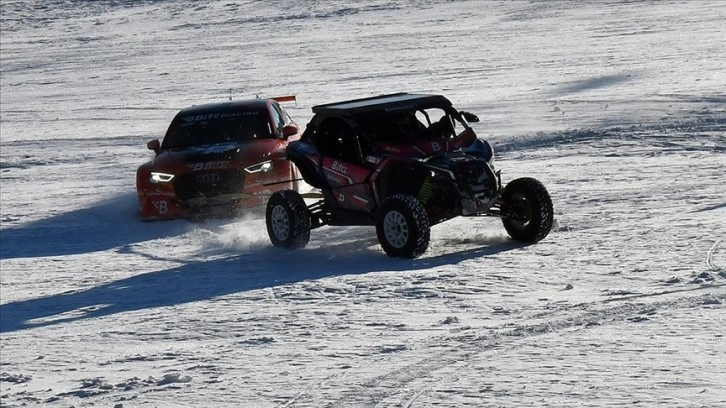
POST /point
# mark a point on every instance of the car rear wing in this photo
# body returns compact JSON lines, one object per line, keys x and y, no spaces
{"x":285,"y":98}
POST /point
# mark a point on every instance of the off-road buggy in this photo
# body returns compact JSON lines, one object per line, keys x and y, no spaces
{"x":402,"y":162}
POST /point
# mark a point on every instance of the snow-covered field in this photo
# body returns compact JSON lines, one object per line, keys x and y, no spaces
{"x":618,"y":107}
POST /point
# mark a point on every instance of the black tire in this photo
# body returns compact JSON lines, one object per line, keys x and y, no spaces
{"x":288,"y":220}
{"x":527,"y":210}
{"x":402,"y":226}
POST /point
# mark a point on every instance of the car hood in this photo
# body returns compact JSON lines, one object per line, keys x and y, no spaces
{"x":221,"y":155}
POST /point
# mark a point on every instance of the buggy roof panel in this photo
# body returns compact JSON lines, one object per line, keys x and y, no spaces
{"x":388,"y":103}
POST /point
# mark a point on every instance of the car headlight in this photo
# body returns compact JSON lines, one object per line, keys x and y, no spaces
{"x":263,"y":167}
{"x":157,"y":177}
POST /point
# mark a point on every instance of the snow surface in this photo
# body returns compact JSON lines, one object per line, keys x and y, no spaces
{"x":618,"y":107}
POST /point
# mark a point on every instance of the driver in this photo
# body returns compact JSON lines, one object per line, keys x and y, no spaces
{"x":410,"y":127}
{"x":442,"y":128}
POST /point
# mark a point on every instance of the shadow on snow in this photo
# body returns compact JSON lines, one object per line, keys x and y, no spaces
{"x":109,"y":224}
{"x":201,"y":281}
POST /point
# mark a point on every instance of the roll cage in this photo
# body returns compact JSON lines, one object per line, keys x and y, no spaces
{"x":352,"y":130}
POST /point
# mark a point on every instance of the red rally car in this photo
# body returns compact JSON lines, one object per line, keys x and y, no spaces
{"x":218,"y":158}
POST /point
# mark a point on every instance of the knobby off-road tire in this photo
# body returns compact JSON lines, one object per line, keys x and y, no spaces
{"x":530,"y":205}
{"x":288,"y":220}
{"x":402,"y":226}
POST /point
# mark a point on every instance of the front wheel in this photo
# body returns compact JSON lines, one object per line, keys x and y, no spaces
{"x":527,"y":211}
{"x":402,"y":226}
{"x":288,"y":220}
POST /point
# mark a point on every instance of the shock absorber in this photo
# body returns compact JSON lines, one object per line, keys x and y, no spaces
{"x":427,"y":188}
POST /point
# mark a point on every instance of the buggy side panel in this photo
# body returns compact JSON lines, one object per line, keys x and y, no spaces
{"x":434,"y":189}
{"x":397,"y":176}
{"x":349,"y":185}
{"x":307,"y":159}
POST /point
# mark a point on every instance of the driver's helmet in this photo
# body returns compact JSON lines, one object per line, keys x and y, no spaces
{"x":409,"y":121}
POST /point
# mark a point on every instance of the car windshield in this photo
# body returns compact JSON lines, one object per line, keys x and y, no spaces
{"x":197,"y":129}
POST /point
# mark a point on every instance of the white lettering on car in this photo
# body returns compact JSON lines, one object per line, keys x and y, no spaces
{"x":210,"y":165}
{"x":160,"y":193}
{"x":340,"y":167}
{"x":219,"y":115}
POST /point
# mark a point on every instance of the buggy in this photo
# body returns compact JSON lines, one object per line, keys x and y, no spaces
{"x":402,"y":163}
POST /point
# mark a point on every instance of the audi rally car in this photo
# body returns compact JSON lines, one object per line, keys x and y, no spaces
{"x":217,"y":159}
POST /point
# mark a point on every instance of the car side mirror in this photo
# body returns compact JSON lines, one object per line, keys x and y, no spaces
{"x":154,"y":145}
{"x":289,"y":130}
{"x":470,"y":117}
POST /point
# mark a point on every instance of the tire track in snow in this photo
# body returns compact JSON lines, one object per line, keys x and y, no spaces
{"x":709,"y":257}
{"x":394,"y":387}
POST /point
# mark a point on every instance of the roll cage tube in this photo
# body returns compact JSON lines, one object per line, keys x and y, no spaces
{"x":462,"y":117}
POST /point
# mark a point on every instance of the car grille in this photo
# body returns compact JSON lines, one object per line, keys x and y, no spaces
{"x":209,"y":184}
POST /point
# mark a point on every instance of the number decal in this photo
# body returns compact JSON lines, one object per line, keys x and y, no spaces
{"x":161,"y":206}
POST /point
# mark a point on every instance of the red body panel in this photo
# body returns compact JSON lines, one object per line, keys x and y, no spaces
{"x":349,"y":184}
{"x":352,"y":185}
{"x":429,"y":147}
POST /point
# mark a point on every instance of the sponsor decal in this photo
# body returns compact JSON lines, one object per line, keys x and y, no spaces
{"x":219,"y":164}
{"x":218,"y":115}
{"x":373,"y":159}
{"x":340,"y":167}
{"x":159,"y":193}
{"x":408,"y":107}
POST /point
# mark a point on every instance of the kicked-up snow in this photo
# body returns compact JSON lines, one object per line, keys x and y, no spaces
{"x":618,"y":107}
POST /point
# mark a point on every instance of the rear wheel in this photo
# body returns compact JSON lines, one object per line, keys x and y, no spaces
{"x":402,"y":226}
{"x":288,"y":220}
{"x":527,"y":210}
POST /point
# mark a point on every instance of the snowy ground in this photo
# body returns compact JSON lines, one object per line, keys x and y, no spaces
{"x":618,"y":107}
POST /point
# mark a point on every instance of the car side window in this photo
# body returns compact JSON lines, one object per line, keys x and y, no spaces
{"x":286,"y":119}
{"x":280,"y":118}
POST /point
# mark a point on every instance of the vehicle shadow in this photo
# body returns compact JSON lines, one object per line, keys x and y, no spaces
{"x":108,"y":224}
{"x":204,"y":280}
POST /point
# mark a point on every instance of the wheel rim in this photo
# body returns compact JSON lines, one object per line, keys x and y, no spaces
{"x":280,"y":223}
{"x":523,"y":210}
{"x":395,"y":228}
